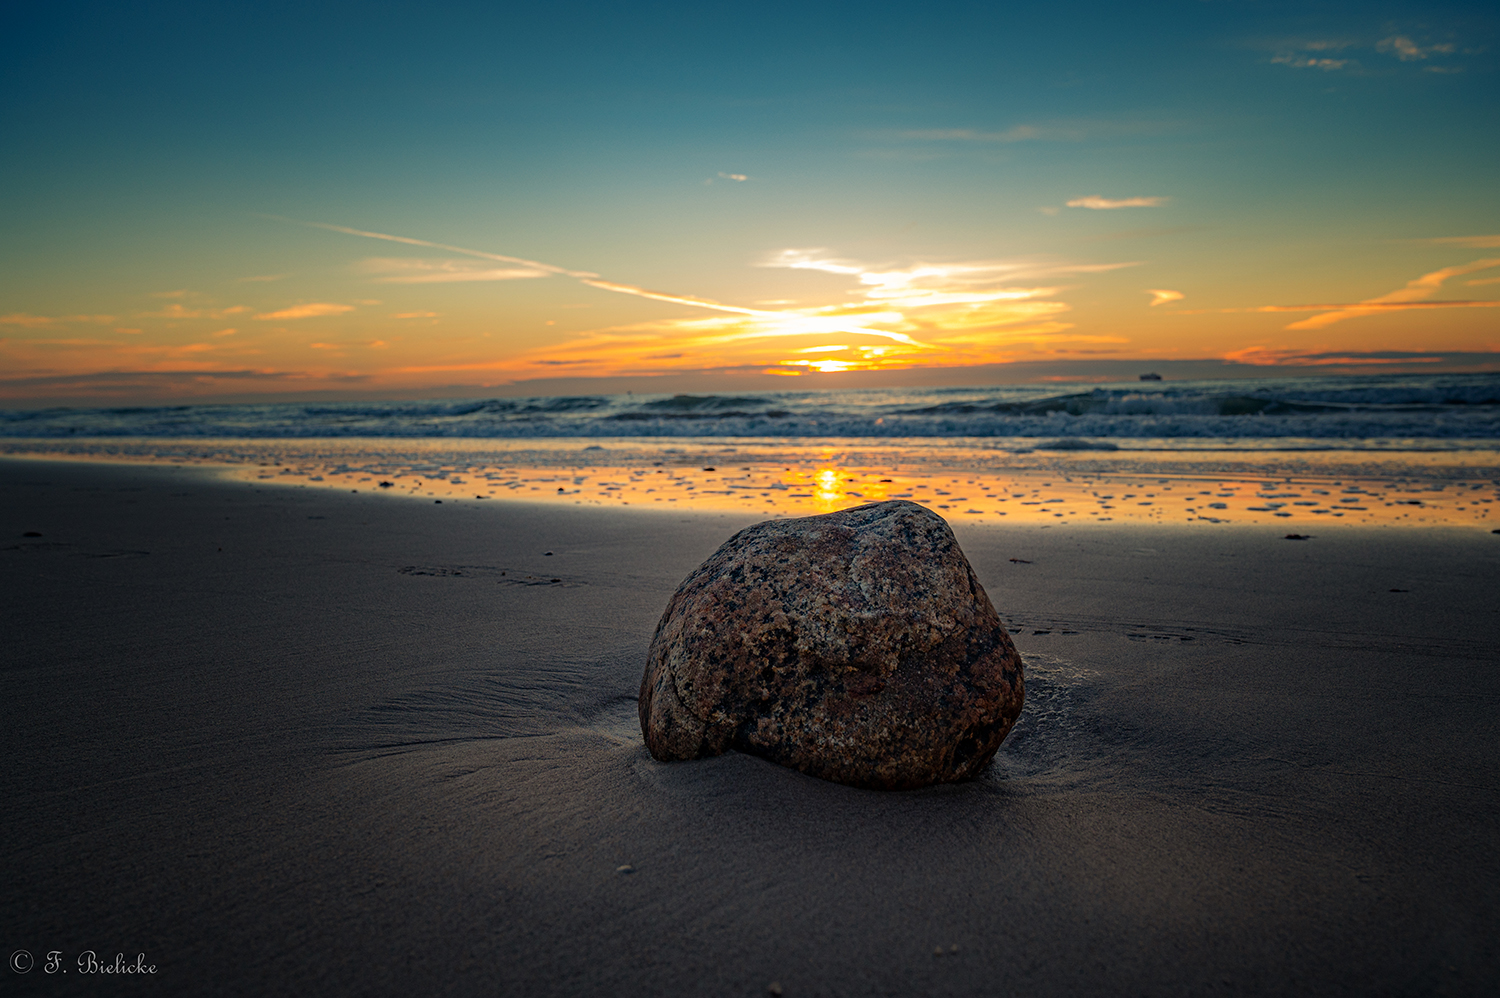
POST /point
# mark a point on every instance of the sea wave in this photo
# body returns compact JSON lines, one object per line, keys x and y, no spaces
{"x":1428,"y":408}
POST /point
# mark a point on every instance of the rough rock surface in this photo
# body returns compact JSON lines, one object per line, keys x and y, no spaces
{"x":856,"y":646}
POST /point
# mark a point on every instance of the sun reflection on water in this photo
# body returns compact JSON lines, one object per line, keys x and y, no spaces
{"x":964,"y":485}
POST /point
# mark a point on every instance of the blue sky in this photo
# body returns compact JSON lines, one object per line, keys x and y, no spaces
{"x":1239,"y":156}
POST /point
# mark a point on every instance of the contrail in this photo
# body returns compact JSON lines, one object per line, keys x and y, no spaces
{"x":593,"y":280}
{"x":549,"y":268}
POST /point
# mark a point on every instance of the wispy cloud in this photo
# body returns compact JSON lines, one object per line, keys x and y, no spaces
{"x":1175,"y":230}
{"x":1409,"y":51}
{"x":410,"y":270}
{"x":900,"y":316}
{"x":1101,"y":203}
{"x":131,"y":384}
{"x":1329,"y":55}
{"x":1018,"y":133}
{"x":1066,"y":130}
{"x":921,"y":314}
{"x":176,"y":311}
{"x":77,"y":355}
{"x":43,"y":321}
{"x":346,"y":344}
{"x":1413,"y":295}
{"x":738,"y":178}
{"x":1311,"y":53}
{"x":309,"y":311}
{"x":1268,"y":357}
{"x":1161,"y":296}
{"x":1310,"y":62}
{"x":1470,"y":242}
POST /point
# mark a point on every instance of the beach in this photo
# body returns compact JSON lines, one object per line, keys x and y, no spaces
{"x":313,"y":740}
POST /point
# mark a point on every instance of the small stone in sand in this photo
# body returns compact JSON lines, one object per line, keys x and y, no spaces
{"x":774,"y":989}
{"x":856,"y":646}
{"x":625,"y":868}
{"x":31,"y":533}
{"x":1299,"y":537}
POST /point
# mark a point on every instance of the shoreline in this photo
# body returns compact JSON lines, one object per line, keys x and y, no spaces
{"x":268,"y":735}
{"x":1459,"y":489}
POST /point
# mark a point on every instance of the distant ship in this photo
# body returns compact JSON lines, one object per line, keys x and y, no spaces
{"x":1153,"y":376}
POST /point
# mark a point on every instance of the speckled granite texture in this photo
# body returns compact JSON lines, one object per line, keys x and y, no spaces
{"x":856,"y":646}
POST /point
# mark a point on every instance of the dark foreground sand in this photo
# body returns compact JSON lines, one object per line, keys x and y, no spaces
{"x":294,"y":741}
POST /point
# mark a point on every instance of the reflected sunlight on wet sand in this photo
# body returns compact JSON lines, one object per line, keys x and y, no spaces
{"x":963,"y":483}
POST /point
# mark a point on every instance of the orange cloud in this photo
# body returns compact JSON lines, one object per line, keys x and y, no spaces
{"x":1471,"y":242}
{"x":1161,"y":296}
{"x":919,"y":314}
{"x":308,"y":311}
{"x":1272,"y":357}
{"x":926,"y":314}
{"x":175,"y":311}
{"x":42,"y":321}
{"x":1410,"y":296}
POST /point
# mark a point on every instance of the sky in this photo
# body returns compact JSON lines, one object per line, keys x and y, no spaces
{"x":234,"y":202}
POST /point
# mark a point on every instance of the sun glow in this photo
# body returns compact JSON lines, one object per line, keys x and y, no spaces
{"x":924,"y":314}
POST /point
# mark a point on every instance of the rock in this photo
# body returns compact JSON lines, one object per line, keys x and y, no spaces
{"x":856,"y":646}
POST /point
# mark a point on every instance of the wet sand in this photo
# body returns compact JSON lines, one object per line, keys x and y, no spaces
{"x":316,"y":741}
{"x":970,"y":481}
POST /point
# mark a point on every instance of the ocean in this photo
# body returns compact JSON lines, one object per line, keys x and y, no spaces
{"x":1401,"y":450}
{"x":1402,"y":412}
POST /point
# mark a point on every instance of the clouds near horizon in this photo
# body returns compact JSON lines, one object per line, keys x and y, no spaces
{"x":311,"y":310}
{"x":1413,"y":295}
{"x":673,"y":188}
{"x":1100,"y":203}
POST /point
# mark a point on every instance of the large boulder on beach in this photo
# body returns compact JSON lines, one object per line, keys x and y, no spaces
{"x":856,"y":646}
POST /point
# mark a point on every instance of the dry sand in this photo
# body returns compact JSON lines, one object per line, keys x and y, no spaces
{"x":297,"y":741}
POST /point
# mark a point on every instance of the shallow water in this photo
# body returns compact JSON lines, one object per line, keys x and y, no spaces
{"x":964,"y":481}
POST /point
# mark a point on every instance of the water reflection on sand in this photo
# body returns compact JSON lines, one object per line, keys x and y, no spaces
{"x":965,"y":483}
